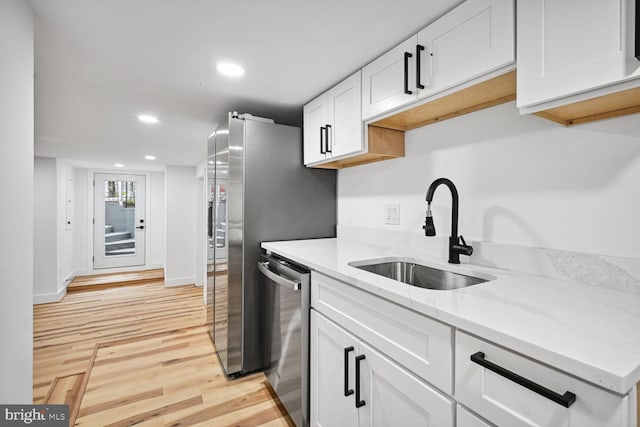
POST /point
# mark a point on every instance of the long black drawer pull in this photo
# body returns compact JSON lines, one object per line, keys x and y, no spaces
{"x":565,"y":400}
{"x":407,"y":55}
{"x":322,"y":150}
{"x":328,"y":138}
{"x":419,"y":48}
{"x":347,"y":391}
{"x":359,"y":403}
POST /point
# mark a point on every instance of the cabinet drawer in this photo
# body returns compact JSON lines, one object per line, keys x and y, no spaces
{"x":505,"y":402}
{"x":420,"y":344}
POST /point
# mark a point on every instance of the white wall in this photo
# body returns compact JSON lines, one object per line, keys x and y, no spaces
{"x":156,"y":220}
{"x":45,"y":257}
{"x":66,"y":237}
{"x":54,"y":256}
{"x":522,"y":180}
{"x":16,"y":186}
{"x":83,"y":192}
{"x":180,"y":199}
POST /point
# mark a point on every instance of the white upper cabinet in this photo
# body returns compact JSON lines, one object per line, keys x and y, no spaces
{"x":333,"y":122}
{"x":389,"y":81}
{"x":345,"y":117}
{"x":572,"y":46}
{"x":474,"y":39}
{"x":315,"y":119}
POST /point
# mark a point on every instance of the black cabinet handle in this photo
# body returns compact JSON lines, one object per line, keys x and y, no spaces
{"x":347,"y":391}
{"x":322,"y":150}
{"x":359,"y":403}
{"x":407,"y":55}
{"x":566,"y":400}
{"x":328,"y":138}
{"x":637,"y":53}
{"x":419,"y":48}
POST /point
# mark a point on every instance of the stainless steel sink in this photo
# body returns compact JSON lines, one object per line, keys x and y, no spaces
{"x":422,"y":276}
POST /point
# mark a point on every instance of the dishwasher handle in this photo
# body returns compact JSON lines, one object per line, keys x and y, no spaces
{"x":292,"y":284}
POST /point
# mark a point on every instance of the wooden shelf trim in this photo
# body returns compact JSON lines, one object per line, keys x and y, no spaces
{"x":384,"y":144}
{"x":488,"y":93}
{"x":602,"y":107}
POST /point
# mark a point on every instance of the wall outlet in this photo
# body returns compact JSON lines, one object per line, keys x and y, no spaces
{"x":392,"y":214}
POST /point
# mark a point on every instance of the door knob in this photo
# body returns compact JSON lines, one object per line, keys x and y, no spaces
{"x":141,"y":227}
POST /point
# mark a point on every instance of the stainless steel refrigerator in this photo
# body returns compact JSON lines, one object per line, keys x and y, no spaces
{"x":259,"y":190}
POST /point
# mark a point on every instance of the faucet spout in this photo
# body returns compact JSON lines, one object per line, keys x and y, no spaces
{"x":455,"y":246}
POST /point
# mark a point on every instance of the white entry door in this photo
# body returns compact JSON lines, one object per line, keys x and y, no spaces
{"x":119,"y":220}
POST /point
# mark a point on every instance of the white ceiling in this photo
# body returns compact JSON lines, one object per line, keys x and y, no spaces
{"x":99,"y":63}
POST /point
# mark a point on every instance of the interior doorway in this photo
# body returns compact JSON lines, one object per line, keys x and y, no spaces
{"x":119,"y":220}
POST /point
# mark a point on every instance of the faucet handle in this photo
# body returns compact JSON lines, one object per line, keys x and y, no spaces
{"x":463,"y":249}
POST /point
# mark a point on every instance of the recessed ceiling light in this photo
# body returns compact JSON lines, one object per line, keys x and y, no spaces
{"x":147,"y":118}
{"x":150,"y":157}
{"x":229,"y":69}
{"x":118,"y":165}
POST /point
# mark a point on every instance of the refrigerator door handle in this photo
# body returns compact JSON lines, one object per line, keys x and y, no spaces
{"x":264,"y":268}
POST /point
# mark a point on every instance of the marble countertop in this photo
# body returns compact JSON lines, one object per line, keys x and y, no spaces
{"x":590,"y":332}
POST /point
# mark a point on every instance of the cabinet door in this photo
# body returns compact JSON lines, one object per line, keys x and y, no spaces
{"x":383,"y":81}
{"x":566,"y":47}
{"x":475,"y":38}
{"x":315,"y":118}
{"x":329,"y":406}
{"x":345,"y":116}
{"x":394,"y":396}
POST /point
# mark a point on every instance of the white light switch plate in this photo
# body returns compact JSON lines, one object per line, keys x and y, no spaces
{"x":392,"y":214}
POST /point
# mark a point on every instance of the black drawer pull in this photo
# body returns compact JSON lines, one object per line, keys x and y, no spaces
{"x":407,"y":55}
{"x":347,"y":391}
{"x":322,"y":150}
{"x":359,"y":403}
{"x":566,"y":400}
{"x":328,"y":138}
{"x":419,"y":48}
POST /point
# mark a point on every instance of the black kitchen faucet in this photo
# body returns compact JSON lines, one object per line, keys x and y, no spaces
{"x":455,"y":247}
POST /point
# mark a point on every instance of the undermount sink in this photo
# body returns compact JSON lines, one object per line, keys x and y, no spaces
{"x":422,"y":276}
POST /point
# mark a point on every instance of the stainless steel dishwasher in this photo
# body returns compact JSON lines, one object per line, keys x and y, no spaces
{"x":288,"y":298}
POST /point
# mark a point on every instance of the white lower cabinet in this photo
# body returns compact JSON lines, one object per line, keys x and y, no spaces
{"x":352,"y":384}
{"x":376,"y":363}
{"x":464,"y":418}
{"x":487,"y":385}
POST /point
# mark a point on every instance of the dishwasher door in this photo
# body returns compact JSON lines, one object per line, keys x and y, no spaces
{"x":287,"y":335}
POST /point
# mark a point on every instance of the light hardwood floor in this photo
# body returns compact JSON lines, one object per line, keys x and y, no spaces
{"x":141,"y":355}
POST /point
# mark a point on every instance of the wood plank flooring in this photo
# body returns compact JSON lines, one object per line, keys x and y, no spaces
{"x":145,"y":358}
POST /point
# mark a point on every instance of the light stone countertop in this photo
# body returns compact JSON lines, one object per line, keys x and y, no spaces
{"x":590,"y":332}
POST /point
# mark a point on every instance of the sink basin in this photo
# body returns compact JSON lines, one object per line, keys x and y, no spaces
{"x":422,"y":276}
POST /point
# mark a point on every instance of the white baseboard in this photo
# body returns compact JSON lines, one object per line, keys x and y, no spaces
{"x":48,"y":298}
{"x":179,"y":281}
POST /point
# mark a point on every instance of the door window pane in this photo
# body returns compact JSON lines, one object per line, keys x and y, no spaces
{"x":120,"y":216}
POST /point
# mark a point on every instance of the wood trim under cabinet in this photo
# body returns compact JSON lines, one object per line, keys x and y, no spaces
{"x":602,"y":107}
{"x":488,"y":93}
{"x":384,"y":144}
